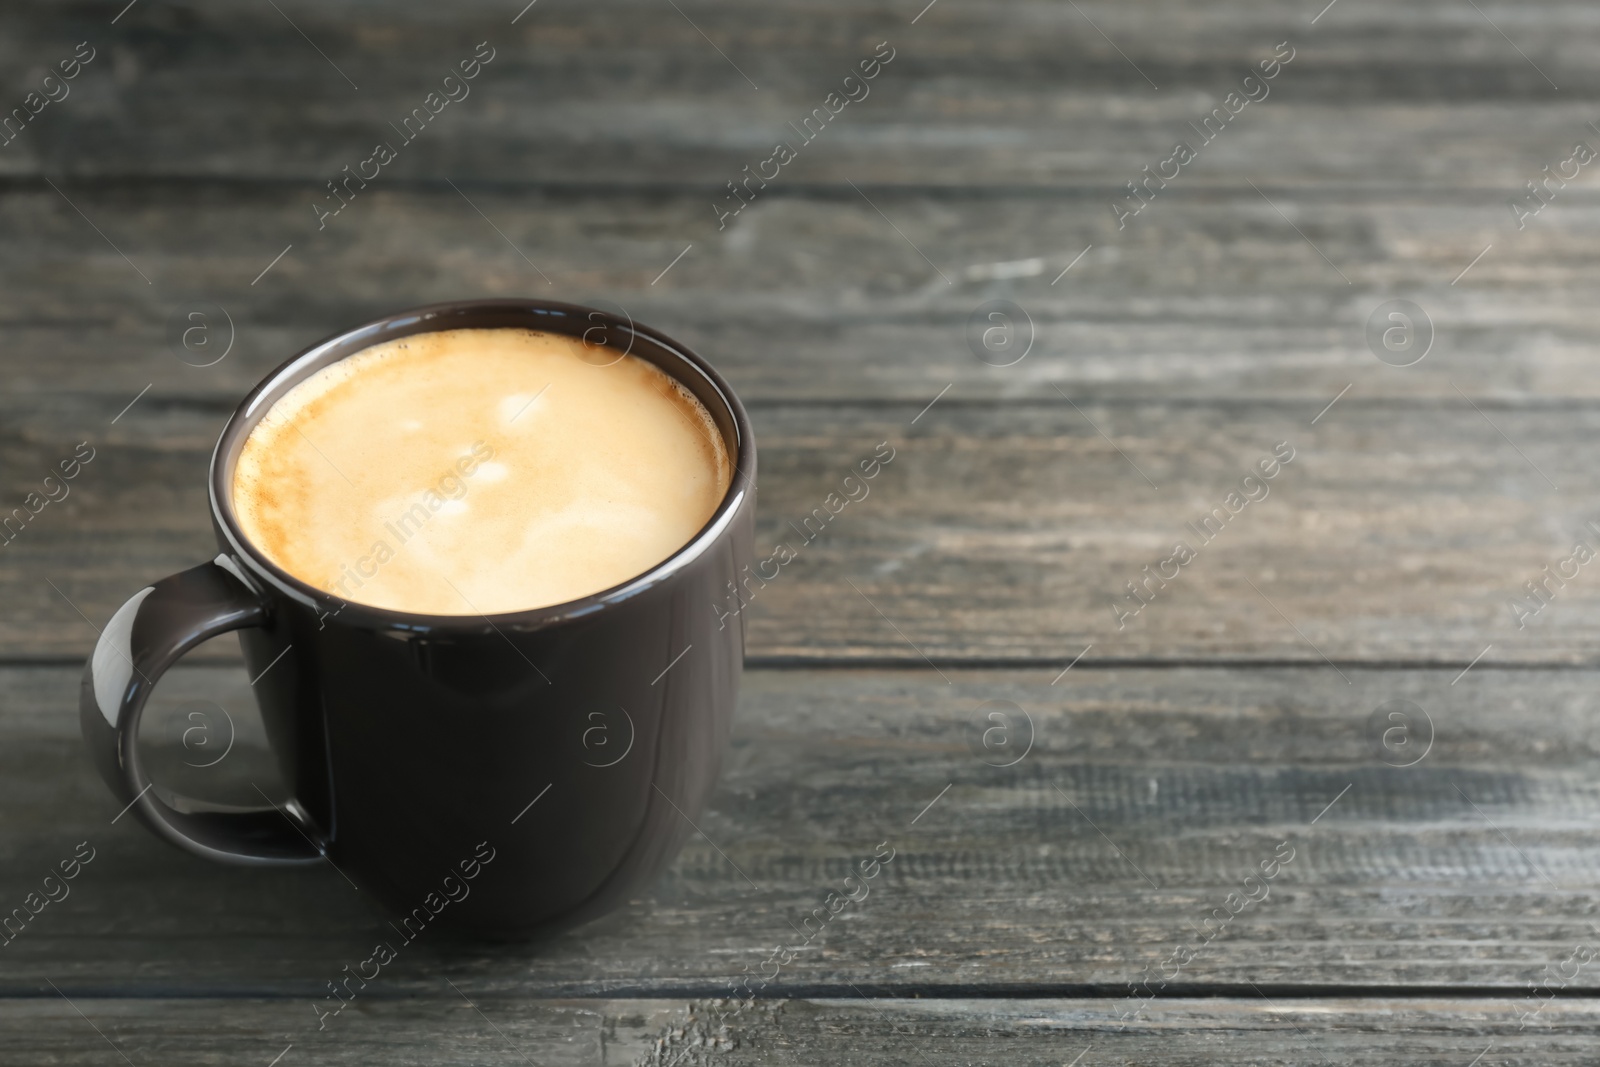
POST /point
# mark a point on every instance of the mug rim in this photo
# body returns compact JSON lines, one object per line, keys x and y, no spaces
{"x":432,"y":318}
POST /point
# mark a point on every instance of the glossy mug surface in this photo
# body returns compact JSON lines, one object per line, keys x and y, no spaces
{"x":503,"y":774}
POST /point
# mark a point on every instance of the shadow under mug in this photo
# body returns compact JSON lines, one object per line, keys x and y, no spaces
{"x":501,"y":775}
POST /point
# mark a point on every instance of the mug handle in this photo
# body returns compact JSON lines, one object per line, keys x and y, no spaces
{"x":147,"y":635}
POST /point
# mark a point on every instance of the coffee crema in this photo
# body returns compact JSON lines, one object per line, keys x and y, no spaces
{"x":479,"y":472}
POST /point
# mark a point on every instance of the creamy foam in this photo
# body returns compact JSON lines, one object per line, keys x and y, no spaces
{"x":476,"y":472}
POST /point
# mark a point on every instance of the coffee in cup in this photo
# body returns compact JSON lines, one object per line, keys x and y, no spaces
{"x":478,"y":472}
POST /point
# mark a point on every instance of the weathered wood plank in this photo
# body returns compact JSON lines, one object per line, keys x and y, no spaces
{"x":1203,"y":297}
{"x":654,"y":1033}
{"x":1002,"y":533}
{"x":1012,"y":93}
{"x":1145,"y":799}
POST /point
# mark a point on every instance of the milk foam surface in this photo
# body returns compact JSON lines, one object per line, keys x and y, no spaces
{"x":477,"y":472}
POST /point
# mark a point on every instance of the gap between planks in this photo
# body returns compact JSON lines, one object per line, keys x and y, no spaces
{"x":1042,"y":663}
{"x":1092,"y":191}
{"x":1199,"y":991}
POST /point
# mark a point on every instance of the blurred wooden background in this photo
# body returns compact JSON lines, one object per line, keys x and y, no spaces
{"x":1433,"y":913}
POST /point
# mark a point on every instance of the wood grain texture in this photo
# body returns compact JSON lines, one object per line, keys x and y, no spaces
{"x":999,"y":533}
{"x":1249,"y":705}
{"x":655,"y":1033}
{"x":1144,"y":799}
{"x":1012,"y":93}
{"x":1206,"y":296}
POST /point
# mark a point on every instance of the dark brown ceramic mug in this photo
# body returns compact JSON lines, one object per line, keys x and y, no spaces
{"x":503,"y":774}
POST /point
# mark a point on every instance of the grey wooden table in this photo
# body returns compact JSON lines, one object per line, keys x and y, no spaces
{"x":1078,"y":891}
